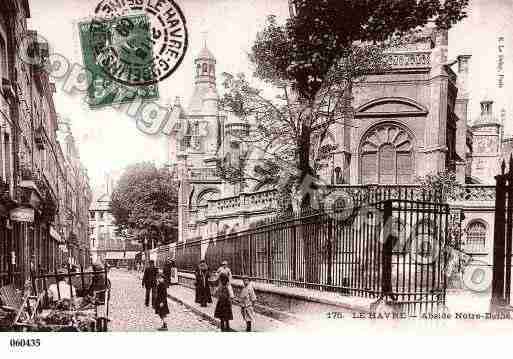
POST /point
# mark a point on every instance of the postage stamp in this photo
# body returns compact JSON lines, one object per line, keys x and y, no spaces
{"x":167,"y":33}
{"x":118,"y":54}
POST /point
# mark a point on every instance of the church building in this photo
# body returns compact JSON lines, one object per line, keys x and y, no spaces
{"x":408,"y":122}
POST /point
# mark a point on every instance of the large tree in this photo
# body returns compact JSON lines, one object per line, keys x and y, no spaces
{"x":315,"y":59}
{"x":144,"y":204}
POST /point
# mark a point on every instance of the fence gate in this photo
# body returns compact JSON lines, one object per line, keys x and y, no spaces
{"x":501,"y":280}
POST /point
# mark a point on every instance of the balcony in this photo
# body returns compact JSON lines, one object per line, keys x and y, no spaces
{"x":475,"y":193}
{"x":267,"y":201}
{"x":245,"y":202}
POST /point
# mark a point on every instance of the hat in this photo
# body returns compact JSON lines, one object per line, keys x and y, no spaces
{"x":224,"y":262}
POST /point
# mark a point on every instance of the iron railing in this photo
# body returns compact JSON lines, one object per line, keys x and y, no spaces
{"x":503,"y":239}
{"x":379,"y":247}
{"x":188,"y":256}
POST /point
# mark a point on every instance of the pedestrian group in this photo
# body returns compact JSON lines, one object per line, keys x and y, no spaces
{"x":156,"y":283}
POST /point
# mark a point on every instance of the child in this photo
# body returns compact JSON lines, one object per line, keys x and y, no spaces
{"x":161,"y":307}
{"x":247,"y":299}
{"x":224,"y":295}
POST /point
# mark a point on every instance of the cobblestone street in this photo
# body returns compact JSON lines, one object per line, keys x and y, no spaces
{"x":128,"y":312}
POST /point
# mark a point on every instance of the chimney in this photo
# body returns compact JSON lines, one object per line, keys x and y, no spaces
{"x":441,"y":44}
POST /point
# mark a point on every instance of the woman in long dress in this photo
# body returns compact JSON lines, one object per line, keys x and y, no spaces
{"x":203,"y":295}
{"x":223,"y":310}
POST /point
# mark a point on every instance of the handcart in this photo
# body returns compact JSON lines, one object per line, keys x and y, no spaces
{"x":66,"y":300}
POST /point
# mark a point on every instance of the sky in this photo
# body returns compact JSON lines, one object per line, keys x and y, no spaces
{"x":108,"y":141}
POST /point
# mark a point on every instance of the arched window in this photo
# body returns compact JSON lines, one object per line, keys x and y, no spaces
{"x":476,"y":237}
{"x":386,"y":155}
{"x":204,"y":69}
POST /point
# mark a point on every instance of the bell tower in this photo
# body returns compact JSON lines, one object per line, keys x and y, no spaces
{"x":205,"y":65}
{"x":487,"y":139}
{"x":203,"y":107}
{"x":198,"y":146}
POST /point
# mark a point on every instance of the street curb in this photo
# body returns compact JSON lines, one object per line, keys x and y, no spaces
{"x":196,"y":311}
{"x":192,"y":308}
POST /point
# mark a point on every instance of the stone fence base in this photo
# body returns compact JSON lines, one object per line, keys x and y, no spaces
{"x":292,"y":304}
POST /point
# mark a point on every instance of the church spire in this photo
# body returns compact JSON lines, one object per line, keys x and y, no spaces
{"x":205,"y":98}
{"x":205,"y":65}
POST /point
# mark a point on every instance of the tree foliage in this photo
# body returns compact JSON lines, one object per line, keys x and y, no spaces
{"x":145,"y":204}
{"x":315,"y":59}
{"x":310,"y":43}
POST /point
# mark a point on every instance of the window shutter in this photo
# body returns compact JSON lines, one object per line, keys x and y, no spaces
{"x":369,"y":170}
{"x":404,"y":168}
{"x":393,"y":147}
{"x":387,"y":172}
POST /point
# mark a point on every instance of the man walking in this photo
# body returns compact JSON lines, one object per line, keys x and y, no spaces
{"x":149,"y":282}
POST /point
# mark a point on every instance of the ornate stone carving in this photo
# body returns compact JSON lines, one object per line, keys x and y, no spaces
{"x":409,"y":60}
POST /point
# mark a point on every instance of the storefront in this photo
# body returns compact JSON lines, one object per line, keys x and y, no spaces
{"x":22,"y":219}
{"x":120,"y":259}
{"x":55,"y":242}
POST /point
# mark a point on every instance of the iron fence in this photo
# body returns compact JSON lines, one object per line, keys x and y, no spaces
{"x":386,"y":244}
{"x":503,"y":239}
{"x":188,"y":256}
{"x":81,"y":282}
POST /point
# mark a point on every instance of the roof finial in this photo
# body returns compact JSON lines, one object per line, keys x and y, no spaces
{"x":204,"y":33}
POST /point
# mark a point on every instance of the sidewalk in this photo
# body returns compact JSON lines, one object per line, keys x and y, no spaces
{"x":185,"y":296}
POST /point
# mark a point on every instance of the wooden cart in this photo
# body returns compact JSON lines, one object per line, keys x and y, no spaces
{"x":83,"y":304}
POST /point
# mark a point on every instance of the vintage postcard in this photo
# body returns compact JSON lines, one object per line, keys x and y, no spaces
{"x":288,"y":167}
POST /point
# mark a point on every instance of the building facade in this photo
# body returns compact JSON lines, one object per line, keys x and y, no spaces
{"x":106,"y":245}
{"x":408,"y":122}
{"x":39,"y":179}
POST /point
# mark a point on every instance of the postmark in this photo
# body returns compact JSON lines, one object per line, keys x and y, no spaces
{"x":127,"y":47}
{"x":106,"y":56}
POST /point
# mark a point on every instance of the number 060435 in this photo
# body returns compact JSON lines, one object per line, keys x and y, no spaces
{"x":24,"y":343}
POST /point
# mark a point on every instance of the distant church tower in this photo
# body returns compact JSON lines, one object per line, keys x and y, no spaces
{"x":194,"y":144}
{"x":487,"y":133}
